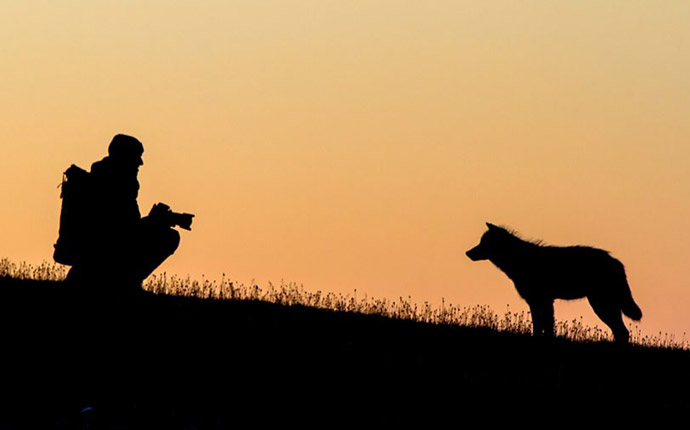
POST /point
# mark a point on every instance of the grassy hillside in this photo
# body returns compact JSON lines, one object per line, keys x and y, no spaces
{"x":183,"y":362}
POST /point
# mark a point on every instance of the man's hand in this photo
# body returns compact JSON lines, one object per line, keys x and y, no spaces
{"x":160,"y":212}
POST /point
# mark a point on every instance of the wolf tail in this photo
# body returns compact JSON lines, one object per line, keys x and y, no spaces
{"x":628,"y":305}
{"x":631,"y":309}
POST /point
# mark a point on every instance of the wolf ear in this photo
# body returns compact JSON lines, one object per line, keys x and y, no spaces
{"x":491,"y":226}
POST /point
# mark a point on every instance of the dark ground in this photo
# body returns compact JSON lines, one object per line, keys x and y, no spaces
{"x":170,"y":362}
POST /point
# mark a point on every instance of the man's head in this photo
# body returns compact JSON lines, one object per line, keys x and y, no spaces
{"x":126,"y":150}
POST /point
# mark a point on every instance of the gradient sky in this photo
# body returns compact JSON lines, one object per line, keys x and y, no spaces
{"x":363,"y":144}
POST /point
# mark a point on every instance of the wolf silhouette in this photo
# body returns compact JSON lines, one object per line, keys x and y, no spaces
{"x":542,"y":274}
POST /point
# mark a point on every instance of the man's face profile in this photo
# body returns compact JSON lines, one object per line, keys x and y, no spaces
{"x":127,"y":151}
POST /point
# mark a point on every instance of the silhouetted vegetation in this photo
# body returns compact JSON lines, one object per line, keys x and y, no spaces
{"x":165,"y":361}
{"x":291,"y":294}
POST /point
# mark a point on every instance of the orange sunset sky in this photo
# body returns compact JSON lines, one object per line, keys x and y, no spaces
{"x":363,"y":144}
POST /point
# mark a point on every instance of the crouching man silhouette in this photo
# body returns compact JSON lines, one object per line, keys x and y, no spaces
{"x":112,"y":246}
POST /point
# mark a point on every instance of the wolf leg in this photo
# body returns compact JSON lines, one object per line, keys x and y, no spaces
{"x":611,"y":315}
{"x":542,"y":317}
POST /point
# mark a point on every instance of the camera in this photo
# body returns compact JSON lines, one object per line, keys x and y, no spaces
{"x":162,"y":213}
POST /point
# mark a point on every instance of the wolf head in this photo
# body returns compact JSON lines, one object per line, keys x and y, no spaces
{"x":492,"y":241}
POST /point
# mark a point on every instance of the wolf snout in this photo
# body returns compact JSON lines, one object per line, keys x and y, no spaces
{"x":474,"y":254}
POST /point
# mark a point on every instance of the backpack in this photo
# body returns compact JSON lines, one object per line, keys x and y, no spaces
{"x":76,"y":191}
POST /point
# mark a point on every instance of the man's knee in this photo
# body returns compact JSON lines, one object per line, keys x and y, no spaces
{"x":171,"y":240}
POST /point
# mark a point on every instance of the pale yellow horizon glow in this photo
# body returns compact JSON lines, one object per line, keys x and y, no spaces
{"x":364,"y":144}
